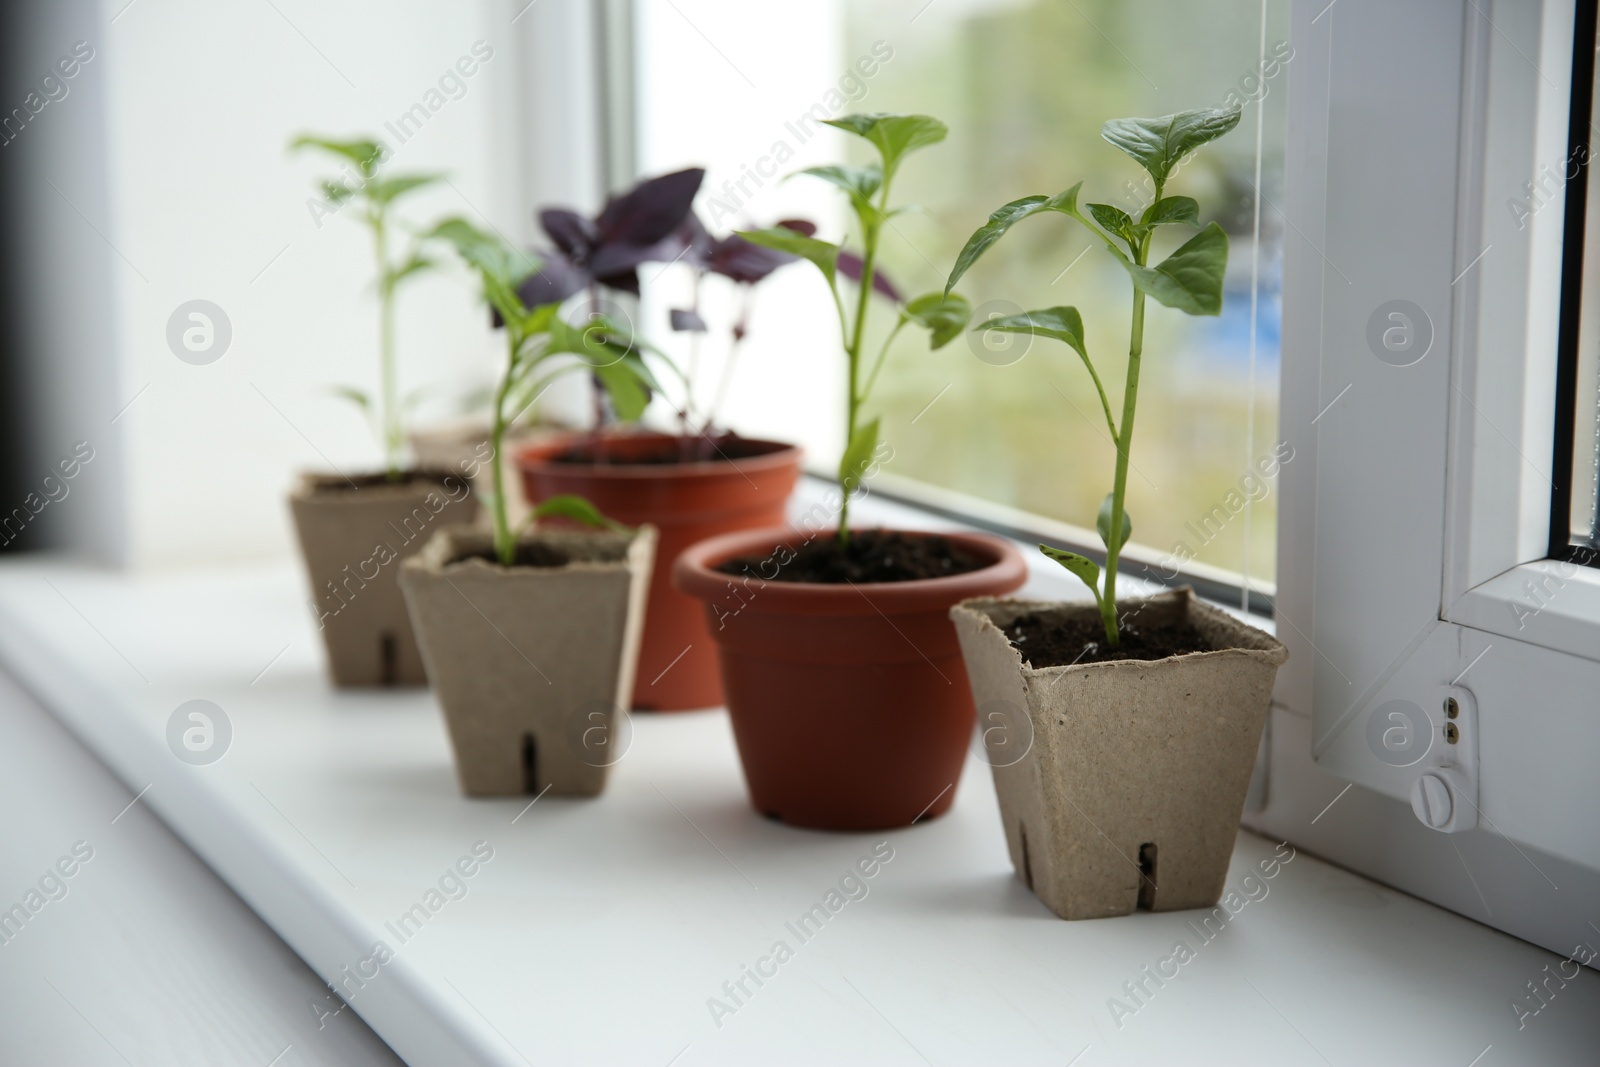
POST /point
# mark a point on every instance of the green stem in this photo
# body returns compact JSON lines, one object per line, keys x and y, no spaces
{"x":869,"y":259}
{"x":877,"y":364}
{"x":1119,"y":488}
{"x":505,"y":545}
{"x":389,"y":415}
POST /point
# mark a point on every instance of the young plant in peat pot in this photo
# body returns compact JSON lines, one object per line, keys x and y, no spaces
{"x":844,"y":680}
{"x":1135,"y":721}
{"x":531,"y":638}
{"x":354,"y":529}
{"x":691,"y":485}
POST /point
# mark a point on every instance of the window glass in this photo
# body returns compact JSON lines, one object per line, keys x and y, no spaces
{"x":1025,"y":87}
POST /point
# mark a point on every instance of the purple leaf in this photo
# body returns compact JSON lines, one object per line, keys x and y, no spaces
{"x":572,"y":233}
{"x":850,"y":266}
{"x":555,"y":280}
{"x":651,"y":210}
{"x":686,"y":320}
{"x":626,"y":281}
{"x":734,"y":257}
{"x":620,"y":258}
{"x":803,"y":227}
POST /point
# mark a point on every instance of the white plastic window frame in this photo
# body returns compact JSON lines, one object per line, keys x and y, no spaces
{"x":1498,"y":577}
{"x":1425,"y":504}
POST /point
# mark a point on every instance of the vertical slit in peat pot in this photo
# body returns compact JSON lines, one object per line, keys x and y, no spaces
{"x":1027,"y":867}
{"x":389,"y":656}
{"x":1147,"y":876}
{"x":530,"y":764}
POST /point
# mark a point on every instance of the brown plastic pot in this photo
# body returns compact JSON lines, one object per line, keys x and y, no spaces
{"x":686,"y":502}
{"x":850,"y":703}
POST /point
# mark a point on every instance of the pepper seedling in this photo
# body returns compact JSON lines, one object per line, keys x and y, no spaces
{"x":376,"y":194}
{"x":536,"y":339}
{"x":1190,"y":280}
{"x":944,"y":315}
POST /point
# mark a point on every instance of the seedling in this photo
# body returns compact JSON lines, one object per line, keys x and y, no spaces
{"x":361,"y":184}
{"x":1189,"y":280}
{"x":536,"y":342}
{"x":745,"y":265}
{"x":944,"y":315}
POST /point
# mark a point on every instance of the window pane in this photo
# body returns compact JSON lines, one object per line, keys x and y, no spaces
{"x":1025,"y":87}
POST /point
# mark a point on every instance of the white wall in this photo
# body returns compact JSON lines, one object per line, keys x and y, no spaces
{"x":184,"y":191}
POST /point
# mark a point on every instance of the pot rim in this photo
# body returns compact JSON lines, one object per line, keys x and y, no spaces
{"x":692,"y":574}
{"x":1268,"y":648}
{"x":536,"y":456}
{"x":326,"y":485}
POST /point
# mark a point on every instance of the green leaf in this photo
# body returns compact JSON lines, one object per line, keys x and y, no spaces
{"x":501,"y":266}
{"x":821,"y":253}
{"x":1171,"y":209}
{"x":576,"y":508}
{"x":415,"y":265}
{"x":860,"y":182}
{"x":365,"y":153}
{"x":354,"y":395}
{"x":1005,"y":217}
{"x":1062,"y":323}
{"x":1085,"y":568}
{"x":1001,"y":220}
{"x":337,"y":192}
{"x":944,"y":315}
{"x":1159,"y":144}
{"x":858,"y":457}
{"x":1191,"y":278}
{"x":1114,"y":220}
{"x":1102,"y":524}
{"x":895,"y":136}
{"x":629,"y":393}
{"x":385,"y":190}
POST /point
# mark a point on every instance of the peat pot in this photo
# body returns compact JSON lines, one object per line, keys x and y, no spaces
{"x":533,"y":663}
{"x":687,"y":502}
{"x":354,"y":532}
{"x":1124,"y":781}
{"x":849,"y":703}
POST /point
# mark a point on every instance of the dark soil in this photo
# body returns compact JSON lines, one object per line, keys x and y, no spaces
{"x":869,"y":556}
{"x":356,"y":482}
{"x":665,"y":453}
{"x":1050,"y":642}
{"x":528,"y":555}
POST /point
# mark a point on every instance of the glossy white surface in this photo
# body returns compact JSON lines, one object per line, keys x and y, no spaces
{"x":144,"y":957}
{"x":599,"y":930}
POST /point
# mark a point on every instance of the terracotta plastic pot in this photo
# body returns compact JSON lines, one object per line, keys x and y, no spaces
{"x":1121,"y":783}
{"x":686,"y":502}
{"x":353,"y":540}
{"x":850,"y":703}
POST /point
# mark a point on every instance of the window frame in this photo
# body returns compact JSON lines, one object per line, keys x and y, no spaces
{"x":1401,"y":554}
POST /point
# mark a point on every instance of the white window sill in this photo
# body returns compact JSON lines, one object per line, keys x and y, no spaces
{"x":601,"y":928}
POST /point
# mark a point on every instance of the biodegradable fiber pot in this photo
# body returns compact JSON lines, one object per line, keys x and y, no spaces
{"x":354,"y":533}
{"x":849,"y":703}
{"x":1130,"y":775}
{"x":532,"y":664}
{"x":687,"y":502}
